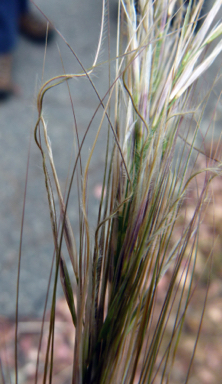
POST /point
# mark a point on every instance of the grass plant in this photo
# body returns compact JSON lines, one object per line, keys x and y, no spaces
{"x":127,"y":330}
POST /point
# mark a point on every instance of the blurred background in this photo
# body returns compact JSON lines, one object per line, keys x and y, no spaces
{"x":79,"y":23}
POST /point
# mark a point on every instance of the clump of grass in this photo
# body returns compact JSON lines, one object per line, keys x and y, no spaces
{"x":119,"y":336}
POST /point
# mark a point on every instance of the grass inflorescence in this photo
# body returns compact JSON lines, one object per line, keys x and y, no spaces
{"x":122,"y":334}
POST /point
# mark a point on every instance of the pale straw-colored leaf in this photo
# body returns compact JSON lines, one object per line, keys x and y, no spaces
{"x":180,"y":89}
{"x":214,"y":34}
{"x":199,"y":38}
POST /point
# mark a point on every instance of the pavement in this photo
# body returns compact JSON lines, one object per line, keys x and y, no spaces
{"x":79,"y":23}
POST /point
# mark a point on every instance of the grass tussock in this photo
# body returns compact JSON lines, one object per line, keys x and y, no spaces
{"x":120,"y":337}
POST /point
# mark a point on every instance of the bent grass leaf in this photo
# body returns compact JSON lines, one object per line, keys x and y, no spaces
{"x":122,"y":322}
{"x":67,"y":288}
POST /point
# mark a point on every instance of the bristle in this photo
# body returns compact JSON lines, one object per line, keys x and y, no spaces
{"x":120,"y":335}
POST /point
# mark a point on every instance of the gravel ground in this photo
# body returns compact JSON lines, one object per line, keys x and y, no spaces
{"x":79,"y":23}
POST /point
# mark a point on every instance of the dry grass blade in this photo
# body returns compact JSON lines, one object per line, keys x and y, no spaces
{"x":123,"y":326}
